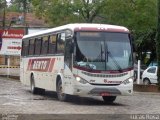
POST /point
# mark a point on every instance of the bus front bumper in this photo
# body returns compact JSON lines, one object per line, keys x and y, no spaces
{"x":97,"y":90}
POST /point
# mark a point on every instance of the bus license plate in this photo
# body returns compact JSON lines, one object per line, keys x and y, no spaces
{"x":105,"y":94}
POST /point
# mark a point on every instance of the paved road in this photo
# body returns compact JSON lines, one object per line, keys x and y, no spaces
{"x":16,"y":98}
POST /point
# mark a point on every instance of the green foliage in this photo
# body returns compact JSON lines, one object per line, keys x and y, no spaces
{"x":58,"y":12}
{"x":139,"y":16}
{"x":88,"y":10}
{"x":135,"y":14}
{"x":2,"y":4}
{"x":61,"y":12}
{"x":158,"y":43}
{"x":20,"y":6}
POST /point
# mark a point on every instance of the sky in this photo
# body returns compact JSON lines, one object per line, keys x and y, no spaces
{"x":8,"y":2}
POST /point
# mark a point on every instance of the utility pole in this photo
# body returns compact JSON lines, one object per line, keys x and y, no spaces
{"x":158,"y":42}
{"x":4,"y":15}
{"x":25,"y":3}
{"x":24,"y":11}
{"x":4,"y":24}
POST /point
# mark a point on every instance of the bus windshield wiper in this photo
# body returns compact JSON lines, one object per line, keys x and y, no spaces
{"x":100,"y":56}
{"x":115,"y":62}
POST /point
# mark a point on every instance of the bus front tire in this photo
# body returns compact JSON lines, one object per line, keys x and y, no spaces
{"x":34,"y":89}
{"x":109,"y":99}
{"x":61,"y":96}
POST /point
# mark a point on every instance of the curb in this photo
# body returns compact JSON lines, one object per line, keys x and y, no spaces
{"x":10,"y":77}
{"x":146,"y":88}
{"x":146,"y":93}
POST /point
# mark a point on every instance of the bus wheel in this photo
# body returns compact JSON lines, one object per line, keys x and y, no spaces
{"x":34,"y":90}
{"x":109,"y":99}
{"x":61,"y":96}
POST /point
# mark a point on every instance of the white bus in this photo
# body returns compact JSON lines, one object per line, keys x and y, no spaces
{"x":79,"y":59}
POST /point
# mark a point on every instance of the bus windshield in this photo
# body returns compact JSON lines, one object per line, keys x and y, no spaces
{"x":103,"y":50}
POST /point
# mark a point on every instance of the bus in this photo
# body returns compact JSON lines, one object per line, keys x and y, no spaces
{"x":79,"y":59}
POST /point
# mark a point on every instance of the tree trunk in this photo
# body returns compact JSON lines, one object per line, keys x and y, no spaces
{"x":24,"y":11}
{"x":158,"y":42}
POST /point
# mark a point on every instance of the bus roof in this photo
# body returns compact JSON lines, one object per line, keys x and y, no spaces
{"x":81,"y":27}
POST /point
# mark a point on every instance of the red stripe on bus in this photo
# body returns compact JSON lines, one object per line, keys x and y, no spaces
{"x":42,"y":64}
{"x":51,"y":64}
{"x":101,"y":71}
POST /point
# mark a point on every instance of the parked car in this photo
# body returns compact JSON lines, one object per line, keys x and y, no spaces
{"x":149,"y":75}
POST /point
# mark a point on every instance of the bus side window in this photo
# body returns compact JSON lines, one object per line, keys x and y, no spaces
{"x":44,"y":45}
{"x":61,"y":43}
{"x":25,"y":48}
{"x":38,"y":43}
{"x":52,"y":44}
{"x":31,"y":46}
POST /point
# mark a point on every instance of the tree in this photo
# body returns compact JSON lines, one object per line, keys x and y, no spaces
{"x":58,"y":12}
{"x":88,"y":10}
{"x":3,"y":5}
{"x":23,"y":6}
{"x":137,"y":15}
{"x":158,"y":42}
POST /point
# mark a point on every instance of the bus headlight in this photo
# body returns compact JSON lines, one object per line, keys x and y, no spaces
{"x":125,"y":82}
{"x":81,"y":80}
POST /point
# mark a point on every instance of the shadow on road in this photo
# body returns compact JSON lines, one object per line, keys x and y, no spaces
{"x":76,"y":100}
{"x":90,"y":101}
